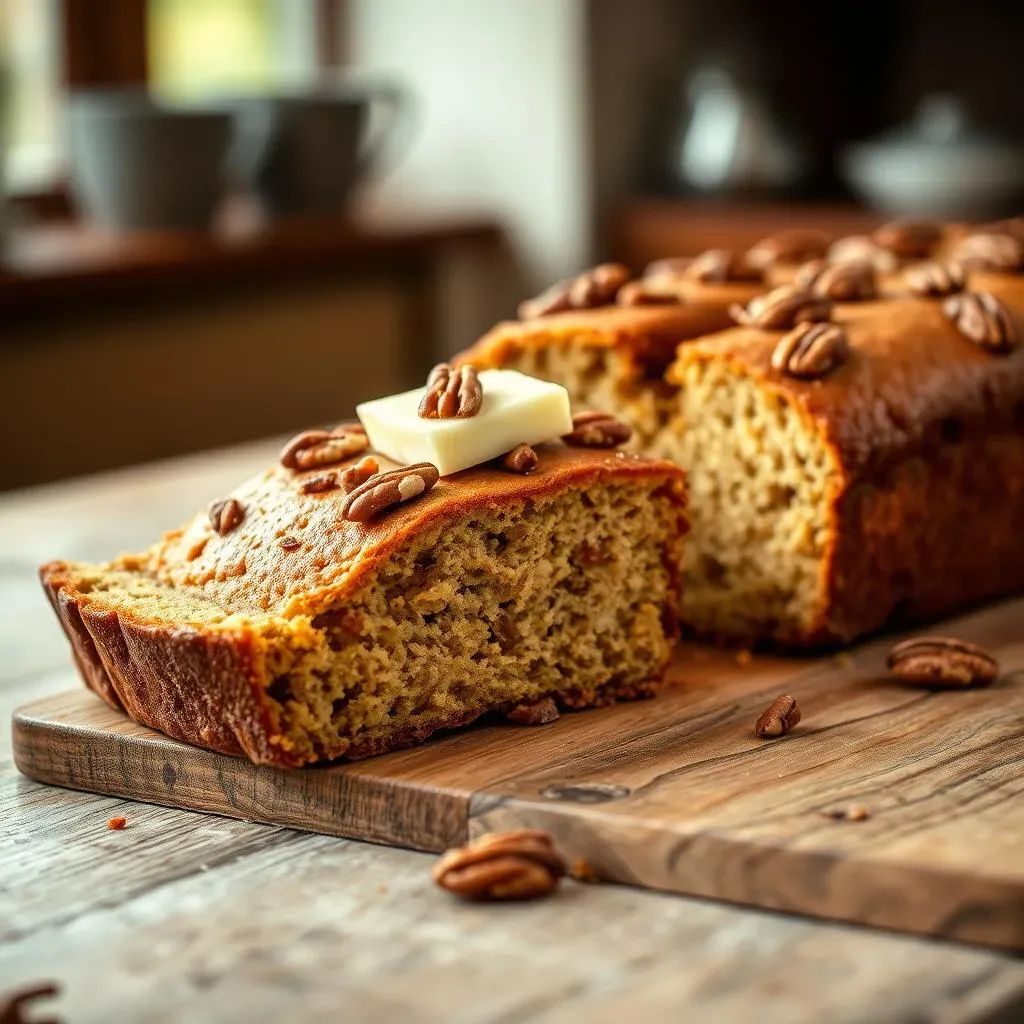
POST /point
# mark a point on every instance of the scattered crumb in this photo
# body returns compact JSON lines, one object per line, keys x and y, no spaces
{"x":855,"y":812}
{"x":382,"y":889}
{"x":744,"y":657}
{"x":844,"y":659}
{"x":582,"y":871}
{"x":116,"y":824}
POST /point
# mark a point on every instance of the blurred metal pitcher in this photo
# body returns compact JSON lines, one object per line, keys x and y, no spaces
{"x":302,"y":153}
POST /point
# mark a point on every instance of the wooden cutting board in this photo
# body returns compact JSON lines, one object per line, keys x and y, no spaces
{"x":673,"y":793}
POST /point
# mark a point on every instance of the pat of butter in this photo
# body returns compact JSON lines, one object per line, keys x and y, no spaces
{"x":516,"y":410}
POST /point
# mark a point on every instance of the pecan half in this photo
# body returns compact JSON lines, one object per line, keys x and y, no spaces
{"x":932,"y":279}
{"x":595,"y":429}
{"x":320,"y":483}
{"x":669,"y":269}
{"x":358,"y":474}
{"x":942,"y":661}
{"x":981,"y":317}
{"x":540,"y":712}
{"x":990,"y":250}
{"x":451,"y":393}
{"x":13,"y":1004}
{"x":720,"y":265}
{"x":794,"y":245}
{"x":522,"y":459}
{"x":598,"y":286}
{"x":226,"y":514}
{"x":862,"y":249}
{"x":642,"y":293}
{"x":850,"y":281}
{"x":595,"y":287}
{"x":909,"y":239}
{"x":810,"y":350}
{"x":782,"y":308}
{"x":385,"y":490}
{"x":782,"y":715}
{"x":315,"y":448}
{"x":519,"y":865}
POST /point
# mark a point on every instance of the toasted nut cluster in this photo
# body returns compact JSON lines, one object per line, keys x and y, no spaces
{"x":852,"y":281}
{"x":721,"y":265}
{"x":782,"y":715}
{"x":810,"y":350}
{"x":595,"y":429}
{"x":451,"y":393}
{"x":942,"y":661}
{"x":226,"y":514}
{"x":519,"y":865}
{"x":540,"y":712}
{"x":909,"y":239}
{"x":795,"y":245}
{"x":320,"y":483}
{"x":313,"y":449}
{"x":932,"y":279}
{"x":1001,"y":252}
{"x":385,"y":490}
{"x":522,"y":459}
{"x":862,"y":249}
{"x":595,"y":287}
{"x":782,"y":308}
{"x":644,"y":293}
{"x":981,"y":317}
{"x":358,"y":474}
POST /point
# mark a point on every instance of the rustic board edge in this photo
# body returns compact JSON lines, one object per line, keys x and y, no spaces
{"x":59,"y":753}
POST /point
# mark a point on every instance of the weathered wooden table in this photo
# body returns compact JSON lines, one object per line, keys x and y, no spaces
{"x":182,"y":916}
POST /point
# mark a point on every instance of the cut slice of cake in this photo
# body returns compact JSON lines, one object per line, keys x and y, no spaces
{"x":341,"y":605}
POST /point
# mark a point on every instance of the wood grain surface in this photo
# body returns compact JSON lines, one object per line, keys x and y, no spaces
{"x":674,"y":794}
{"x":194,"y":917}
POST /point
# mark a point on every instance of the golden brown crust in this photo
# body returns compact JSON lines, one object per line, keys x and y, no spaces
{"x":646,"y":336}
{"x":206,"y":682}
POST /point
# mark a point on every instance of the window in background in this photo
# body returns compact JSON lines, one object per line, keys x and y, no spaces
{"x":30,"y":92}
{"x":225,"y":46}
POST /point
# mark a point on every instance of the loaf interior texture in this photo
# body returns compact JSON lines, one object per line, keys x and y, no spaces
{"x":570,"y":595}
{"x":762,"y":483}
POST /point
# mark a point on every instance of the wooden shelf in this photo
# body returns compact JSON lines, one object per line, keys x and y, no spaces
{"x":642,"y":230}
{"x":55,"y":263}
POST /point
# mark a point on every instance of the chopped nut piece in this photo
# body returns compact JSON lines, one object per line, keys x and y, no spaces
{"x":116,"y":824}
{"x":595,"y":429}
{"x":909,"y":239}
{"x":358,"y":474}
{"x":942,"y":661}
{"x":540,"y":712}
{"x":517,"y":865}
{"x":320,"y":483}
{"x":522,"y":459}
{"x":226,"y":514}
{"x":855,"y":812}
{"x":781,"y":716}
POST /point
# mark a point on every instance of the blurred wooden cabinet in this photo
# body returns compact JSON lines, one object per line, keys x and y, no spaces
{"x":112,"y":355}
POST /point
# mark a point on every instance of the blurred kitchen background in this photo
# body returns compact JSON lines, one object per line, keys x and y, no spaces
{"x":317,"y":199}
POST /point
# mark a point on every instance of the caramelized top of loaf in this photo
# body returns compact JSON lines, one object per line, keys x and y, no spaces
{"x":908,"y":380}
{"x":293,"y":553}
{"x":646,"y":336}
